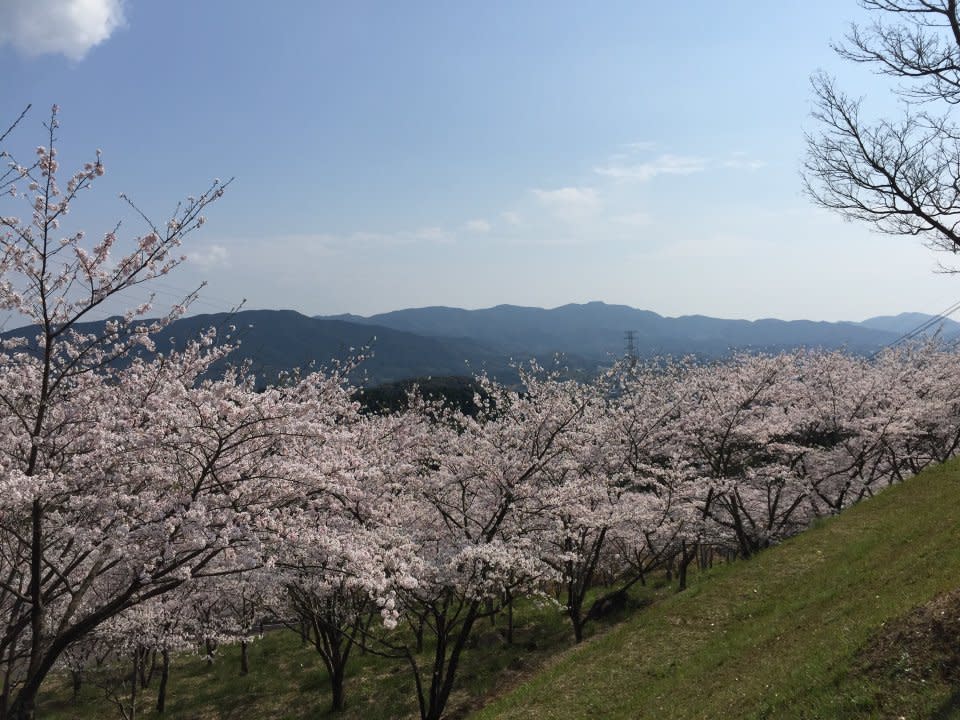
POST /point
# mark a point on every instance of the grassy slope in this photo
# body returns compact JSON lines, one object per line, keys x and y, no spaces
{"x":287,"y":680}
{"x":776,"y":637}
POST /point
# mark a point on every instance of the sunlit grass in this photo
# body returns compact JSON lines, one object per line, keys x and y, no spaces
{"x":778,"y":636}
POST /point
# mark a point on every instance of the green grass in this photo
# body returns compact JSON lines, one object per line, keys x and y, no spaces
{"x":810,"y":629}
{"x":781,"y":636}
{"x":287,"y":680}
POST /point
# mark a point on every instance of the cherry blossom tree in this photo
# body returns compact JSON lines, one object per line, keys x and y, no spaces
{"x":579,"y":502}
{"x":855,"y":418}
{"x":455,"y":538}
{"x":736,"y":423}
{"x":929,"y":428}
{"x":127,"y":472}
{"x":319,"y":578}
{"x":658,"y":518}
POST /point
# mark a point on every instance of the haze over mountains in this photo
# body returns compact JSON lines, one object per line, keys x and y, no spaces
{"x":596,"y":330}
{"x":592,"y":334}
{"x":439,"y":341}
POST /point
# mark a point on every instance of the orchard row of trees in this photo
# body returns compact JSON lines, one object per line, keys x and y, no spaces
{"x":147,"y":505}
{"x":388,"y":530}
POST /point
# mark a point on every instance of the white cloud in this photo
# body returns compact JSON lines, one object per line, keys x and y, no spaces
{"x":431,"y":234}
{"x":477,"y":226}
{"x":209,"y":256}
{"x":69,"y":27}
{"x":634,"y":219}
{"x":511,"y":218}
{"x":740,"y":161}
{"x":569,"y":203}
{"x":665,"y":164}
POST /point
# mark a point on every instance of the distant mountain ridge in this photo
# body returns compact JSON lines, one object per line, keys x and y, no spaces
{"x":441,"y":341}
{"x":595,"y":331}
{"x":275,"y":341}
{"x":908,"y":322}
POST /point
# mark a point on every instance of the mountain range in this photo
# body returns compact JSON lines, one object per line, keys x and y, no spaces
{"x":442,"y":341}
{"x":593,"y":333}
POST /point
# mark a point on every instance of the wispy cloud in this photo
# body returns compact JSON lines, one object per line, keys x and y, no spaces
{"x":209,"y":256}
{"x":68,"y":27}
{"x":431,"y":234}
{"x":740,"y":161}
{"x":665,"y":164}
{"x":477,"y":226}
{"x":569,"y":203}
{"x":604,"y":205}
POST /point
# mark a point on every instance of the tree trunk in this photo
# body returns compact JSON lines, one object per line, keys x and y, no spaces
{"x":164,"y":676}
{"x":337,"y":696}
{"x":418,"y":634}
{"x":244,"y":658}
{"x":577,"y":625}
{"x":687,"y":556}
{"x":210,"y":646}
{"x":444,"y":666}
{"x":134,"y":678}
{"x":146,"y":671}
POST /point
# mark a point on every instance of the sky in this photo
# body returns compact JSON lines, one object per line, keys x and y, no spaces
{"x":390,"y":155}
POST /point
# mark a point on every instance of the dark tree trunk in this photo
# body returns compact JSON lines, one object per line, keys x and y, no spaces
{"x":146,"y":671}
{"x":164,"y":676}
{"x":418,"y":634}
{"x":337,"y":695}
{"x":244,"y":658}
{"x":687,"y":556}
{"x":134,"y":672}
{"x":334,"y":644}
{"x":445,"y":663}
{"x":577,"y":623}
{"x":210,"y":646}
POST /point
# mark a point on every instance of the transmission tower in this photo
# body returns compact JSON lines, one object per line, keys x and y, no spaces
{"x":630,"y":339}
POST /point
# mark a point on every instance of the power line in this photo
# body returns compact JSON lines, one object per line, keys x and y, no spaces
{"x":921,"y":328}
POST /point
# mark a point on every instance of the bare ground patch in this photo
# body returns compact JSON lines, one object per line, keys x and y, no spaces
{"x":915,"y":652}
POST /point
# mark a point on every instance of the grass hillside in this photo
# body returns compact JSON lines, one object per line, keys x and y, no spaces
{"x":856,"y":618}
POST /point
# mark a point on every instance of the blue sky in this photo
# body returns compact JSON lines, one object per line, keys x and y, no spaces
{"x":393,"y":155}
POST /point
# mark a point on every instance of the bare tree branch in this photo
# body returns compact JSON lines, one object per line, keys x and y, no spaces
{"x":901,"y":175}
